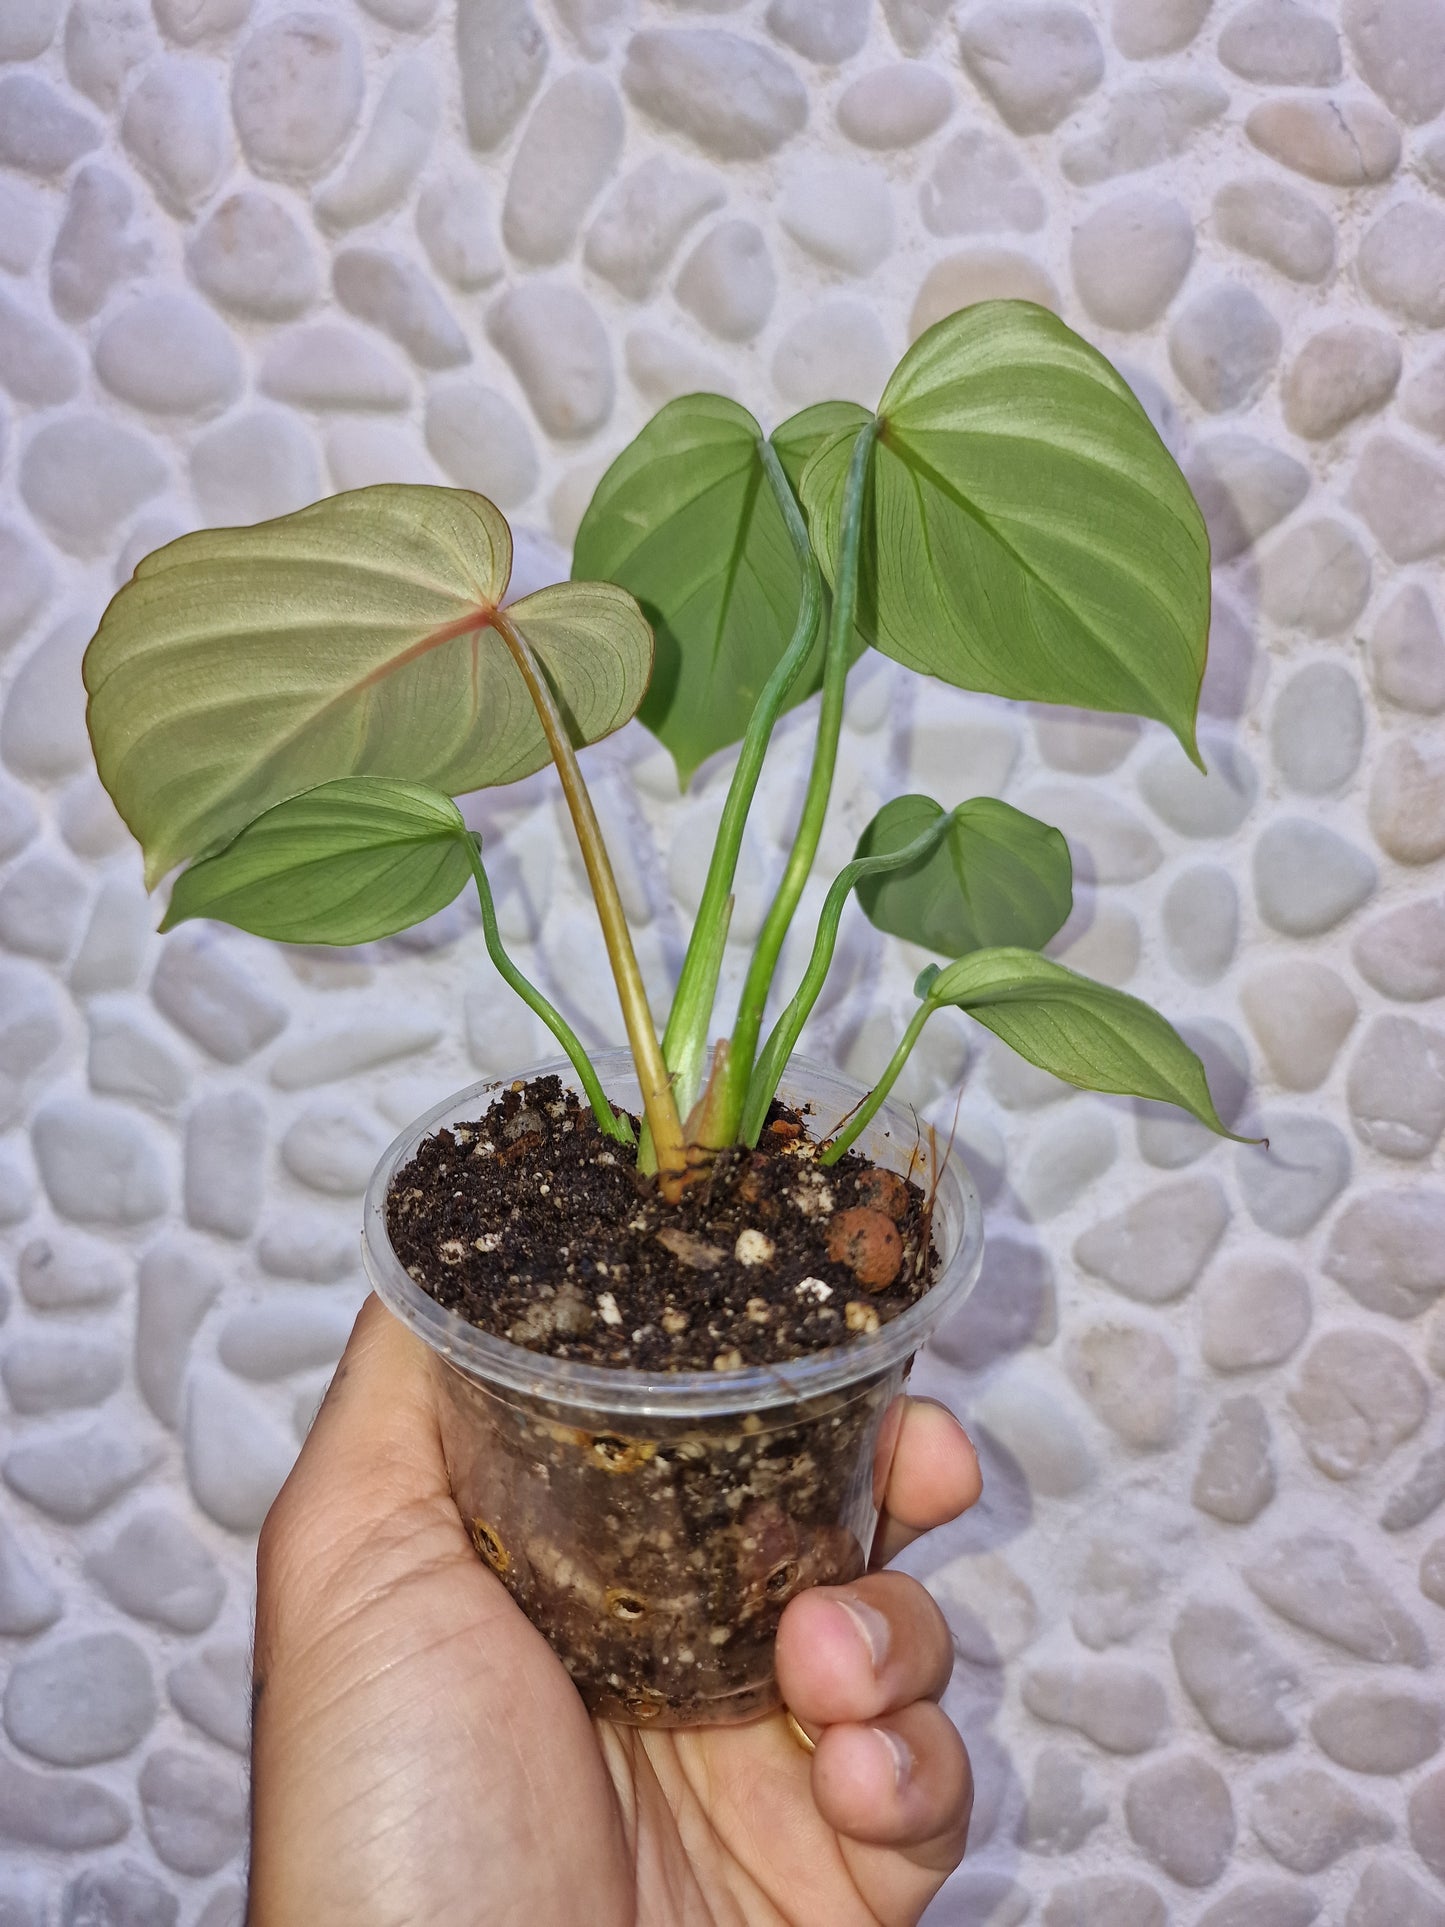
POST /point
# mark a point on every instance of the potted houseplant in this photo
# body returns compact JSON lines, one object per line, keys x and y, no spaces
{"x":673,"y":1292}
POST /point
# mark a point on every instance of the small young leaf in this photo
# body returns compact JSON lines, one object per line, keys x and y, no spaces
{"x":685,"y":519}
{"x":1026,"y":532}
{"x":344,"y":863}
{"x":999,"y":877}
{"x":1085,"y":1033}
{"x":802,"y":435}
{"x":238,"y":667}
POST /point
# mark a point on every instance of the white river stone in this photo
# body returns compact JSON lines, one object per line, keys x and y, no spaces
{"x":828,"y":31}
{"x":1357,"y":1397}
{"x":25,"y":579}
{"x":555,"y":343}
{"x":83,"y":476}
{"x":391,"y":153}
{"x":42,"y":732}
{"x":28,"y":28}
{"x":728,"y":282}
{"x":122,"y":1895}
{"x":1387,"y":1896}
{"x":1317,"y":729}
{"x":332,"y":1149}
{"x":1223,"y":346}
{"x":95,"y":247}
{"x":24,"y":226}
{"x":1067,"y":1155}
{"x":1281,"y":44}
{"x":1117,"y":1589}
{"x":1427,"y":1822}
{"x":72,"y":1475}
{"x":595,"y":24}
{"x":1120,"y":1707}
{"x":567,"y":153}
{"x":157,"y":1569}
{"x":76,"y":1701}
{"x":51,"y":1371}
{"x":1066,"y":1803}
{"x":734,"y":97}
{"x":254,"y":466}
{"x":1143,"y":29}
{"x":113,"y":950}
{"x":225,"y":1156}
{"x":501,"y":57}
{"x":1320,"y":1583}
{"x":1407,"y":800}
{"x":481,"y":441}
{"x":636,"y":231}
{"x":212,"y":1689}
{"x":28,"y":1601}
{"x":1402,"y":496}
{"x":1254,"y":1311}
{"x":978,"y":186}
{"x":454,"y":224}
{"x":1235,"y":1479}
{"x":194,"y":1809}
{"x":1378,"y":1729}
{"x":1201,"y":922}
{"x":1399,"y":48}
{"x":188,"y":21}
{"x":202,"y":986}
{"x":1130,"y":257}
{"x":177,"y":1284}
{"x":304,"y":1246}
{"x":1403,"y":952}
{"x":1396,"y":1089}
{"x":1342,"y":372}
{"x":1308,"y":1819}
{"x":981,"y":274}
{"x":177,"y":131}
{"x":168,"y":354}
{"x":272,"y":1340}
{"x":1300,"y":1012}
{"x":1104,"y":1900}
{"x":1401,"y":262}
{"x":37,"y":364}
{"x":894,"y":106}
{"x":1342,"y":141}
{"x":296,"y":88}
{"x":1277,"y":223}
{"x":1307,"y":878}
{"x":1145,"y":123}
{"x":251,"y":256}
{"x":1035,"y":59}
{"x":100,"y":1163}
{"x":1288,"y":1187}
{"x":1234,"y":1676}
{"x":332,"y":365}
{"x":1387,"y":1249}
{"x":1155,"y":1249}
{"x":42,"y":904}
{"x":991,"y":1612}
{"x":105,"y":41}
{"x":393,"y":294}
{"x":40,"y":132}
{"x":1315,"y":577}
{"x":835,"y":349}
{"x":914,"y":23}
{"x":1130,"y":1378}
{"x":1180,"y":1814}
{"x":841,"y":212}
{"x":1022,"y":1410}
{"x":236,"y":1455}
{"x":1422,"y":401}
{"x":68,"y":1271}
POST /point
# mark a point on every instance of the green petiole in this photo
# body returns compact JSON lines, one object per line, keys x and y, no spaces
{"x":773,"y":1059}
{"x":684,"y":1042}
{"x":753,"y":1001}
{"x":865,"y":1112}
{"x":608,"y":1121}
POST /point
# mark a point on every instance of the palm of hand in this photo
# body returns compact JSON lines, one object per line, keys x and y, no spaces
{"x":421,"y":1758}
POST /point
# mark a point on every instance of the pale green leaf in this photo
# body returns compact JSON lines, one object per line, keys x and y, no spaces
{"x":800,"y":437}
{"x":1026,"y":532}
{"x":344,"y":863}
{"x":242,"y":666}
{"x":685,"y":519}
{"x":998,"y":877}
{"x":1085,"y":1033}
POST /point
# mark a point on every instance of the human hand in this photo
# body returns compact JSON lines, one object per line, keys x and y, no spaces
{"x":421,"y":1758}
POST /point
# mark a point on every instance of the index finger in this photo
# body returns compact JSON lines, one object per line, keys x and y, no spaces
{"x":934,"y":1477}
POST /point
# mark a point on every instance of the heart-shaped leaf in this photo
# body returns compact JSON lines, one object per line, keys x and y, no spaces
{"x":1025,"y":532}
{"x":241,"y":666}
{"x":685,"y":518}
{"x":347,"y":862}
{"x":801,"y":436}
{"x":1085,"y":1033}
{"x":998,"y":877}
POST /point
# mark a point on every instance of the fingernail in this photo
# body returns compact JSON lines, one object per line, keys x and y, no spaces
{"x":872,"y":1627}
{"x":900,"y":1753}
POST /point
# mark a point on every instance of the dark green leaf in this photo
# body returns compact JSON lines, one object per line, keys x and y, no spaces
{"x":1026,"y":531}
{"x":686,"y":520}
{"x":998,"y":877}
{"x":344,"y":863}
{"x":1088,"y":1035}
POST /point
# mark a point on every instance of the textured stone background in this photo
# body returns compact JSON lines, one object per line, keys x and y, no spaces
{"x":251,"y":254}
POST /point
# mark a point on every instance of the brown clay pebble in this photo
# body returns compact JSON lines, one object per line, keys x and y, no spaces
{"x":568,"y":1249}
{"x":884,"y":1191}
{"x":867,"y":1242}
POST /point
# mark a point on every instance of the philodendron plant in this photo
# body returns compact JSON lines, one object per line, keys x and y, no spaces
{"x":290,"y":709}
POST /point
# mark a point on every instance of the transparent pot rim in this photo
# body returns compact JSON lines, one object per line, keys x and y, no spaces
{"x":892,"y":1138}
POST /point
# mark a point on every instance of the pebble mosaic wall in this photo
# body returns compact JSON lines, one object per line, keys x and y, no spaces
{"x":250,"y":253}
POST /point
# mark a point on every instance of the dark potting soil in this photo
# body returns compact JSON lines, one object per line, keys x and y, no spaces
{"x":534,"y":1226}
